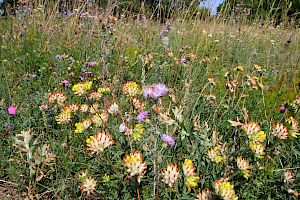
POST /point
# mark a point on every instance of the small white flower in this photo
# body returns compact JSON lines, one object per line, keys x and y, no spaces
{"x":113,"y":109}
{"x":122,"y":128}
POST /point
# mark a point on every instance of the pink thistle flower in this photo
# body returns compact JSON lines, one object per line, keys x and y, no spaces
{"x":12,"y":110}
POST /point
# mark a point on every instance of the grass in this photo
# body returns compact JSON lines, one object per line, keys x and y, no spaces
{"x":203,"y":58}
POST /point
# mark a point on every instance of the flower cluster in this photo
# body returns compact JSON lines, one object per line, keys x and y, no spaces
{"x":191,"y":179}
{"x":256,"y":138}
{"x":131,"y":89}
{"x":215,"y":155}
{"x":87,"y":184}
{"x":225,"y":189}
{"x":81,"y":88}
{"x":170,"y":174}
{"x":97,"y":143}
{"x":135,"y":165}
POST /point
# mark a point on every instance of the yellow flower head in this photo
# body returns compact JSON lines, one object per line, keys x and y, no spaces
{"x":188,"y":168}
{"x":258,"y":137}
{"x":215,"y":155}
{"x":97,"y":143}
{"x":138,"y":132}
{"x":105,"y":90}
{"x":79,"y":127}
{"x":81,"y":88}
{"x":96,"y":119}
{"x":170,"y":174}
{"x":191,"y":181}
{"x":135,"y":164}
{"x":64,"y":117}
{"x":257,"y":148}
{"x":225,"y":189}
{"x":131,"y":88}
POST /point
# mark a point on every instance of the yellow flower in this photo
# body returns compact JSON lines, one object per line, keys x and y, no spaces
{"x":138,"y":131}
{"x":105,"y":90}
{"x":258,"y":137}
{"x":84,"y":108}
{"x":97,"y":143}
{"x":225,"y":189}
{"x":170,"y":174}
{"x":191,"y":181}
{"x":135,"y":164}
{"x":131,"y":88}
{"x":105,"y":178}
{"x":257,"y":148}
{"x":79,"y":127}
{"x":215,"y":155}
{"x":188,"y":168}
{"x":88,"y":185}
{"x":81,"y":88}
{"x":64,"y":117}
{"x":96,"y":119}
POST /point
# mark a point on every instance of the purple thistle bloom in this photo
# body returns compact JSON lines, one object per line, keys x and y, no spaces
{"x":155,"y":91}
{"x":168,"y":139}
{"x":148,"y":91}
{"x":142,"y":116}
{"x":160,"y":89}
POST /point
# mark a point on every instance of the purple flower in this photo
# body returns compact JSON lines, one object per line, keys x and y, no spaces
{"x":148,"y":91}
{"x":155,"y":91}
{"x":142,"y":116}
{"x":81,"y":78}
{"x":282,"y":108}
{"x":168,"y":139}
{"x":160,"y":89}
{"x":10,"y":127}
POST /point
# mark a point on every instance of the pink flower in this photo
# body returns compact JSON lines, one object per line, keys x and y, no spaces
{"x":12,"y":110}
{"x":282,"y":108}
{"x":65,"y":82}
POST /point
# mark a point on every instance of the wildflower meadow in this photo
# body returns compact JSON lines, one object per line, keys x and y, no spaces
{"x":105,"y":105}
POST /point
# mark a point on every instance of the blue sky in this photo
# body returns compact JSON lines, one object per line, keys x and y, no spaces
{"x":212,"y":5}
